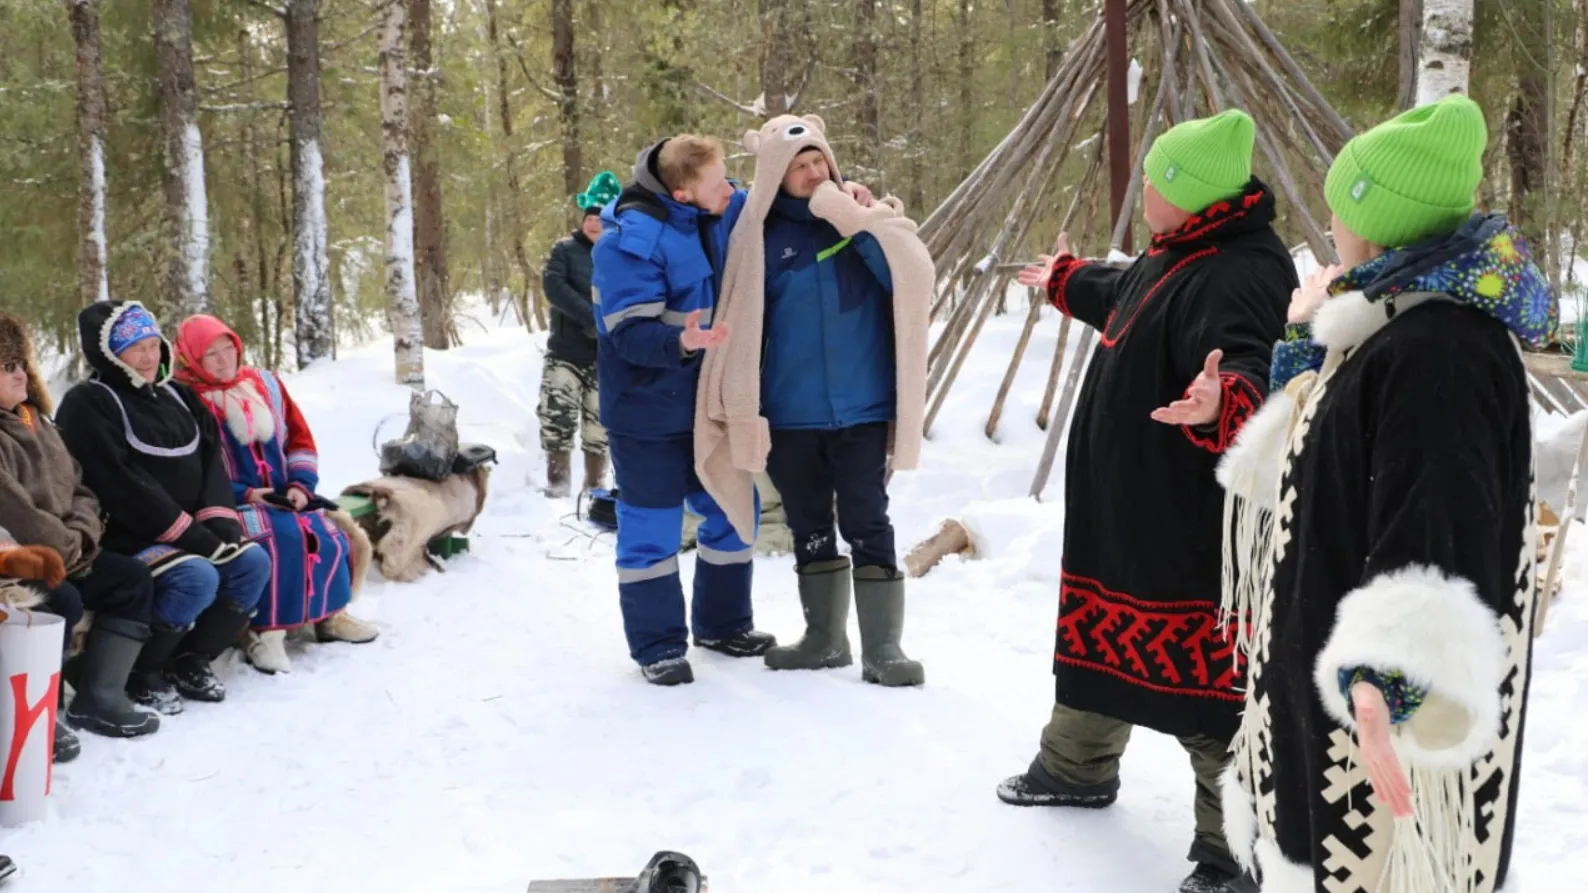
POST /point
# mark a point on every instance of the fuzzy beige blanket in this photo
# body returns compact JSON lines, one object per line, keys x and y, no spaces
{"x":731,"y":437}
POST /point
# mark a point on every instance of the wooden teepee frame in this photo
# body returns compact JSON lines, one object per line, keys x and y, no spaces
{"x":1202,"y":56}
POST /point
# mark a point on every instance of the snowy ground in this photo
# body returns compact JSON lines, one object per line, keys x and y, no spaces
{"x":498,"y":733}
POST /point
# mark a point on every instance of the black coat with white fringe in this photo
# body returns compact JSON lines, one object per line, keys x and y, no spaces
{"x":1400,"y":485}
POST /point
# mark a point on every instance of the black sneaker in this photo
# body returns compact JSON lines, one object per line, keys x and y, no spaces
{"x":67,"y":747}
{"x":1210,"y":879}
{"x":672,"y":671}
{"x":151,"y":689}
{"x":1038,"y":787}
{"x":194,"y":679}
{"x":750,"y":643}
{"x":7,"y":867}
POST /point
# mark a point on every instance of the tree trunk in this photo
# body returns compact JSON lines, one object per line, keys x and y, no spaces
{"x":777,"y":57}
{"x":1444,"y":52}
{"x":515,"y":215}
{"x":918,"y":118}
{"x":1052,"y":42}
{"x":311,"y":263}
{"x":402,"y":301}
{"x":93,"y":281}
{"x":187,"y":239}
{"x":1526,"y":130}
{"x":253,"y":277}
{"x":1410,"y":29}
{"x":967,"y":93}
{"x":566,"y":76}
{"x":594,"y":53}
{"x":430,"y":234}
{"x":868,"y":125}
{"x":1572,"y":133}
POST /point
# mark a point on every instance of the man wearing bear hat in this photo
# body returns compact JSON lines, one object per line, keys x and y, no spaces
{"x":569,"y":402}
{"x":1394,"y":611}
{"x":1140,"y":638}
{"x":833,"y":389}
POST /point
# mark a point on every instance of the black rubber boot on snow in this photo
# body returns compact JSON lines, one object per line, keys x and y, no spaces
{"x":1207,"y":878}
{"x":825,"y":596}
{"x":879,"y":606}
{"x":67,"y":747}
{"x":672,"y":671}
{"x":101,"y":705}
{"x":148,"y":685}
{"x":1038,"y":787}
{"x":750,"y":643}
{"x":217,"y":629}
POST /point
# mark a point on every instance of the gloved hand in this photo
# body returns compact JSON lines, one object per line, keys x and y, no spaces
{"x":226,"y":530}
{"x":33,"y":563}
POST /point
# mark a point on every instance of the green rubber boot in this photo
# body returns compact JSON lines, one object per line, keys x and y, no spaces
{"x":879,"y":605}
{"x":824,"y":594}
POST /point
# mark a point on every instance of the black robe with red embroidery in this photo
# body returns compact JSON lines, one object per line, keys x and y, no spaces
{"x":1138,"y":638}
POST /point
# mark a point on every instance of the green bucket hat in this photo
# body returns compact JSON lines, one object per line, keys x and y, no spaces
{"x":1413,"y":176}
{"x":603,"y":188}
{"x":1206,"y":160}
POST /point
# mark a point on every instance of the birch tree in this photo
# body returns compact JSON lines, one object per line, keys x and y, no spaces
{"x":92,"y":275}
{"x":402,"y":301}
{"x":311,"y":264}
{"x":186,"y":206}
{"x":1444,"y":54}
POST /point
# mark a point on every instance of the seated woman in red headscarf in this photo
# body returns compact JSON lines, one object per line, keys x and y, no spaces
{"x":274,"y":468}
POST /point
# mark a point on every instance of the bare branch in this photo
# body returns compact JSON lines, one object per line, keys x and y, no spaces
{"x":744,"y":109}
{"x":244,"y":106}
{"x":274,"y":10}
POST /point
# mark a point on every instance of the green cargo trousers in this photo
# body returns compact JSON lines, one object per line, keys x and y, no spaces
{"x":1084,"y":749}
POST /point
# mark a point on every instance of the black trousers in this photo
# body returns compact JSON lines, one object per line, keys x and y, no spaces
{"x":115,"y":585}
{"x":812,"y":468}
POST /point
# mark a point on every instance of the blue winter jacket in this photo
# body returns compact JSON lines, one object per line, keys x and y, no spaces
{"x":655,"y":263}
{"x":828,"y":355}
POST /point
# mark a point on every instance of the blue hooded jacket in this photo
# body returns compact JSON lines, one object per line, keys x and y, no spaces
{"x":828,"y":357}
{"x":656,"y":262}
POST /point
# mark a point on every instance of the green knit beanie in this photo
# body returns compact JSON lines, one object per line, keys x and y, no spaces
{"x":603,"y":188}
{"x":1413,"y":176}
{"x":1202,"y":161}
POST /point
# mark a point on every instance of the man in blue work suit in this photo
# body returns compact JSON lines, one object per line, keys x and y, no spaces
{"x":658,"y":267}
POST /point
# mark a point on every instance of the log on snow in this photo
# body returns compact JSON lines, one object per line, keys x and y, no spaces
{"x":951,"y":539}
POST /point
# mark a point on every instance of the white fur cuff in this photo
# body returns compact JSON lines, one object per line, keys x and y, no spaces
{"x":1240,"y":817}
{"x":1437,"y":631}
{"x":1251,"y":466}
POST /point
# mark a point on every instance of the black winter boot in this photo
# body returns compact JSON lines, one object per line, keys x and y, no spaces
{"x":750,"y":643}
{"x":1207,"y":878}
{"x":879,"y":606}
{"x":824,"y":594}
{"x":67,"y":747}
{"x":672,"y":671}
{"x":7,"y":867}
{"x":1038,"y":787}
{"x":148,"y":685}
{"x":217,"y":629}
{"x":101,"y":705}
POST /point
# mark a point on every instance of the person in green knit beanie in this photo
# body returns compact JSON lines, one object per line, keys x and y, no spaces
{"x":569,"y":406}
{"x":1186,"y":340}
{"x":1396,"y":474}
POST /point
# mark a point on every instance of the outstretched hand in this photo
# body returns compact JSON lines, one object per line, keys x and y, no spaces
{"x":695,"y":338}
{"x":1306,"y":300}
{"x":1390,"y":786}
{"x":1039,"y":274}
{"x":1200,"y":405}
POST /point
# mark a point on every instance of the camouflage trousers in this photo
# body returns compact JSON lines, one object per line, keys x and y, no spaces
{"x":568,"y":401}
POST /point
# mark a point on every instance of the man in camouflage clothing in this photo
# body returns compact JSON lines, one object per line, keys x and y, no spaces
{"x":568,"y":403}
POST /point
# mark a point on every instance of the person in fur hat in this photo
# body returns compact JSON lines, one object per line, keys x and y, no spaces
{"x":570,"y":404}
{"x":1185,"y":339}
{"x":271,"y":459}
{"x":151,"y":452}
{"x":50,"y":535}
{"x":1386,"y":543}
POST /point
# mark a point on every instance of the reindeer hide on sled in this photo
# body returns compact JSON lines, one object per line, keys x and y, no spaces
{"x":410,"y":512}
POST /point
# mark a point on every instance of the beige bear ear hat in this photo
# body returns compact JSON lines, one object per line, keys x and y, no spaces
{"x":731,"y":437}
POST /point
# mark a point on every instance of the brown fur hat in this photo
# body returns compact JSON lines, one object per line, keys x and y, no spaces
{"x":16,"y":346}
